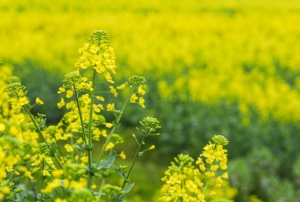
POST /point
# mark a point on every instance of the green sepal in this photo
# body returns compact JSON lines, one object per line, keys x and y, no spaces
{"x":117,"y":124}
{"x":87,"y":147}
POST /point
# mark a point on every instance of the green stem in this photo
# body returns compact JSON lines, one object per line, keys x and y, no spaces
{"x":113,"y":130}
{"x":80,"y":114}
{"x":41,"y":134}
{"x":60,"y":151}
{"x":73,"y":154}
{"x":43,"y":166}
{"x":79,"y":156}
{"x":206,"y":186}
{"x":100,"y":190}
{"x":33,"y":188}
{"x":133,"y":162}
{"x":90,"y":141}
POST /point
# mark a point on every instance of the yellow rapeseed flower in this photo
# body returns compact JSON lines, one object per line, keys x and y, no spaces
{"x":113,"y":91}
{"x":23,"y":101}
{"x":100,"y":98}
{"x":141,"y":102}
{"x":39,"y":101}
{"x":61,"y":103}
{"x":69,"y":93}
{"x":122,"y":155}
{"x":110,"y":107}
{"x":68,"y":148}
{"x":133,"y":98}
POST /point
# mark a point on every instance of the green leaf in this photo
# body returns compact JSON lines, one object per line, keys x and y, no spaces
{"x":106,"y":163}
{"x":58,"y":191}
{"x":126,"y":190}
{"x":118,"y":170}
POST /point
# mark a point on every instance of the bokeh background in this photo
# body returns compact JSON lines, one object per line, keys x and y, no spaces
{"x":229,"y":67}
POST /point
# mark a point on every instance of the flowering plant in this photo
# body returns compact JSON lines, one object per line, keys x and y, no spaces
{"x":62,"y":157}
{"x":60,"y":162}
{"x":184,"y":181}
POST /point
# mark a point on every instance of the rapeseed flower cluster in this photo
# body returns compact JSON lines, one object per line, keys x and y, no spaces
{"x":61,"y":156}
{"x":185,"y":181}
{"x":18,"y":140}
{"x":98,"y":54}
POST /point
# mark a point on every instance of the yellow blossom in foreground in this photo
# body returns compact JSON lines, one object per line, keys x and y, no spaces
{"x":96,"y":108}
{"x":141,"y":90}
{"x":152,"y":147}
{"x":23,"y":101}
{"x":46,"y":173}
{"x":2,"y":127}
{"x":61,"y":103}
{"x":100,"y":98}
{"x":5,"y":190}
{"x":94,"y":186}
{"x":86,"y":98}
{"x":68,"y":148}
{"x":69,"y":93}
{"x":184,"y":182}
{"x":133,"y":98}
{"x":141,"y":102}
{"x":111,"y":107}
{"x":122,"y":155}
{"x":61,"y":90}
{"x":79,"y":140}
{"x":113,"y":91}
{"x":39,"y":101}
{"x":109,"y":125}
{"x":122,"y":87}
{"x":109,"y":146}
{"x":51,"y":186}
{"x":60,"y":200}
{"x":57,"y":173}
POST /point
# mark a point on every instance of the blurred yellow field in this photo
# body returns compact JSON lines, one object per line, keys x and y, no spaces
{"x":240,"y":51}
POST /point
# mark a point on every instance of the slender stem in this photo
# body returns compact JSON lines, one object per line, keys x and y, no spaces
{"x":43,"y":166}
{"x":79,"y":156}
{"x":33,"y":188}
{"x":72,"y":155}
{"x":60,"y":152}
{"x":90,"y":140}
{"x":41,"y":134}
{"x":206,"y":186}
{"x":80,"y":114}
{"x":132,"y":163}
{"x":113,"y":130}
{"x":100,"y":190}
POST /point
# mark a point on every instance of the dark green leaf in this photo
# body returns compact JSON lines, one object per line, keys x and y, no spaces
{"x":106,"y":163}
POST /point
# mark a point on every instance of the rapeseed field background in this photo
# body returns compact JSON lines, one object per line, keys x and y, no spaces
{"x":229,"y":67}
